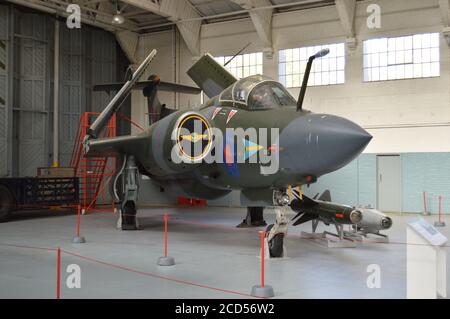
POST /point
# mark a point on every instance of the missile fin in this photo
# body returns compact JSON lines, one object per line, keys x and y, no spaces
{"x":326,"y":196}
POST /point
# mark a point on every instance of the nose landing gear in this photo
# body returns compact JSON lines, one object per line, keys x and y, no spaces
{"x":275,"y":234}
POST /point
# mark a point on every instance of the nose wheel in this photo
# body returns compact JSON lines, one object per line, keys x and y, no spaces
{"x":276,"y":244}
{"x":275,"y":234}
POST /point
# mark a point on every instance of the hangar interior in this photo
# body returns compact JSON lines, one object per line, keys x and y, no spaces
{"x":389,"y":73}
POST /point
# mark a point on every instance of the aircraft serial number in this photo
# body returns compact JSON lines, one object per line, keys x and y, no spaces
{"x":246,"y":309}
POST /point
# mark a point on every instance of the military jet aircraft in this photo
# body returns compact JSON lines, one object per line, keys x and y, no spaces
{"x":174,"y":150}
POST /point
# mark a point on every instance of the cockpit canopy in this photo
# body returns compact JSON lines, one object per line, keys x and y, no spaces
{"x":256,"y":92}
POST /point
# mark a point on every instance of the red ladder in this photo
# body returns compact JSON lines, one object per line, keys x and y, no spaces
{"x":95,"y":173}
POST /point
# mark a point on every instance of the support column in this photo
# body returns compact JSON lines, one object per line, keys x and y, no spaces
{"x":56,"y":97}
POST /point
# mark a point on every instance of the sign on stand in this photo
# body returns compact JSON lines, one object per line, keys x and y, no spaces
{"x":426,"y":261}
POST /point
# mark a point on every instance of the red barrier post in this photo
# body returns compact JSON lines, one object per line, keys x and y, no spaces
{"x":425,"y":202}
{"x":78,"y":239}
{"x":58,"y":274}
{"x":78,"y":220}
{"x":440,"y":208}
{"x":263,"y":290}
{"x":440,"y":222}
{"x":166,"y":219}
{"x":166,"y":260}
{"x":262,"y":258}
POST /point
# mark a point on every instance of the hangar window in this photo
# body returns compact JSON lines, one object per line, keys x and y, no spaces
{"x":408,"y":57}
{"x":243,"y":65}
{"x":328,"y":70}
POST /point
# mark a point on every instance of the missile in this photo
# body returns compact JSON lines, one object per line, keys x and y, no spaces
{"x":363,"y":220}
{"x":373,"y":221}
{"x":324,"y":210}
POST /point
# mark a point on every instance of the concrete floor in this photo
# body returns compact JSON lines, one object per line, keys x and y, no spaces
{"x":213,"y":258}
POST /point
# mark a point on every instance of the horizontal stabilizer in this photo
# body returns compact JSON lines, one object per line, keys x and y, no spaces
{"x":105,"y":147}
{"x":211,"y":76}
{"x":118,"y":99}
{"x":163,"y":86}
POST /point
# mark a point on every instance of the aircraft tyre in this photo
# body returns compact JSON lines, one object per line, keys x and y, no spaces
{"x":6,"y":203}
{"x":275,"y":244}
{"x":129,"y":216}
{"x":254,"y":218}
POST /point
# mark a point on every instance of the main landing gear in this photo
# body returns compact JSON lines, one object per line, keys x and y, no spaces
{"x":254,"y":218}
{"x":127,"y":219}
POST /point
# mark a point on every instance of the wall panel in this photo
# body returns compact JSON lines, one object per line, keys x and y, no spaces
{"x":4,"y":87}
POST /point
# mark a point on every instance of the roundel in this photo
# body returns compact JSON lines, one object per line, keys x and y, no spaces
{"x":193,"y":137}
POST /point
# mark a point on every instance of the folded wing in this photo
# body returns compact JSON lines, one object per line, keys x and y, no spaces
{"x":211,"y":76}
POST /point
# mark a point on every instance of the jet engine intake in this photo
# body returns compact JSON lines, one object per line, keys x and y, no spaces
{"x":178,"y":143}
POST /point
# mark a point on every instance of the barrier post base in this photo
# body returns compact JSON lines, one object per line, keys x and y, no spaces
{"x":78,"y":240}
{"x":439,"y":224}
{"x":262,"y":292}
{"x":166,"y":261}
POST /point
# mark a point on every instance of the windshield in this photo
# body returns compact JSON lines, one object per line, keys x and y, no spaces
{"x":269,"y":95}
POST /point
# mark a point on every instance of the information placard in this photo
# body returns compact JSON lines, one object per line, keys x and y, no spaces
{"x":427,"y":231}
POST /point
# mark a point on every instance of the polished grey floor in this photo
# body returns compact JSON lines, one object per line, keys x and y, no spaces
{"x":213,"y":258}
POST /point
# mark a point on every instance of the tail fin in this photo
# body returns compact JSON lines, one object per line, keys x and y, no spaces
{"x":306,"y":201}
{"x":326,"y":196}
{"x":303,"y":218}
{"x":210,"y":76}
{"x":153,"y":104}
{"x":299,"y":204}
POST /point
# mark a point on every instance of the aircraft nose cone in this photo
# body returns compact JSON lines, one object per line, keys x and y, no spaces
{"x":338,"y":141}
{"x":317,"y":144}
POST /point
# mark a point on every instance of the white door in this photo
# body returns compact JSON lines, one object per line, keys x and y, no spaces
{"x":389,"y":171}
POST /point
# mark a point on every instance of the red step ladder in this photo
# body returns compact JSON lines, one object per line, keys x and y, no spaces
{"x":95,"y":173}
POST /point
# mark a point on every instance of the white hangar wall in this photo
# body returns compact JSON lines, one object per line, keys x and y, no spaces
{"x":410,"y":118}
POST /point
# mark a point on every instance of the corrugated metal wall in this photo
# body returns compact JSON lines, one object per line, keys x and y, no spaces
{"x":87,"y":57}
{"x":4,"y":69}
{"x":72,"y":52}
{"x":31,"y":92}
{"x":103,"y":60}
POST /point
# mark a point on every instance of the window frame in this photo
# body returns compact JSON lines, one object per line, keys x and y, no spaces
{"x":239,"y":63}
{"x":308,"y":50}
{"x":398,"y":66}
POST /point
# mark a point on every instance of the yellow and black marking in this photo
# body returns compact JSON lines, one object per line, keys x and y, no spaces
{"x":197,"y":144}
